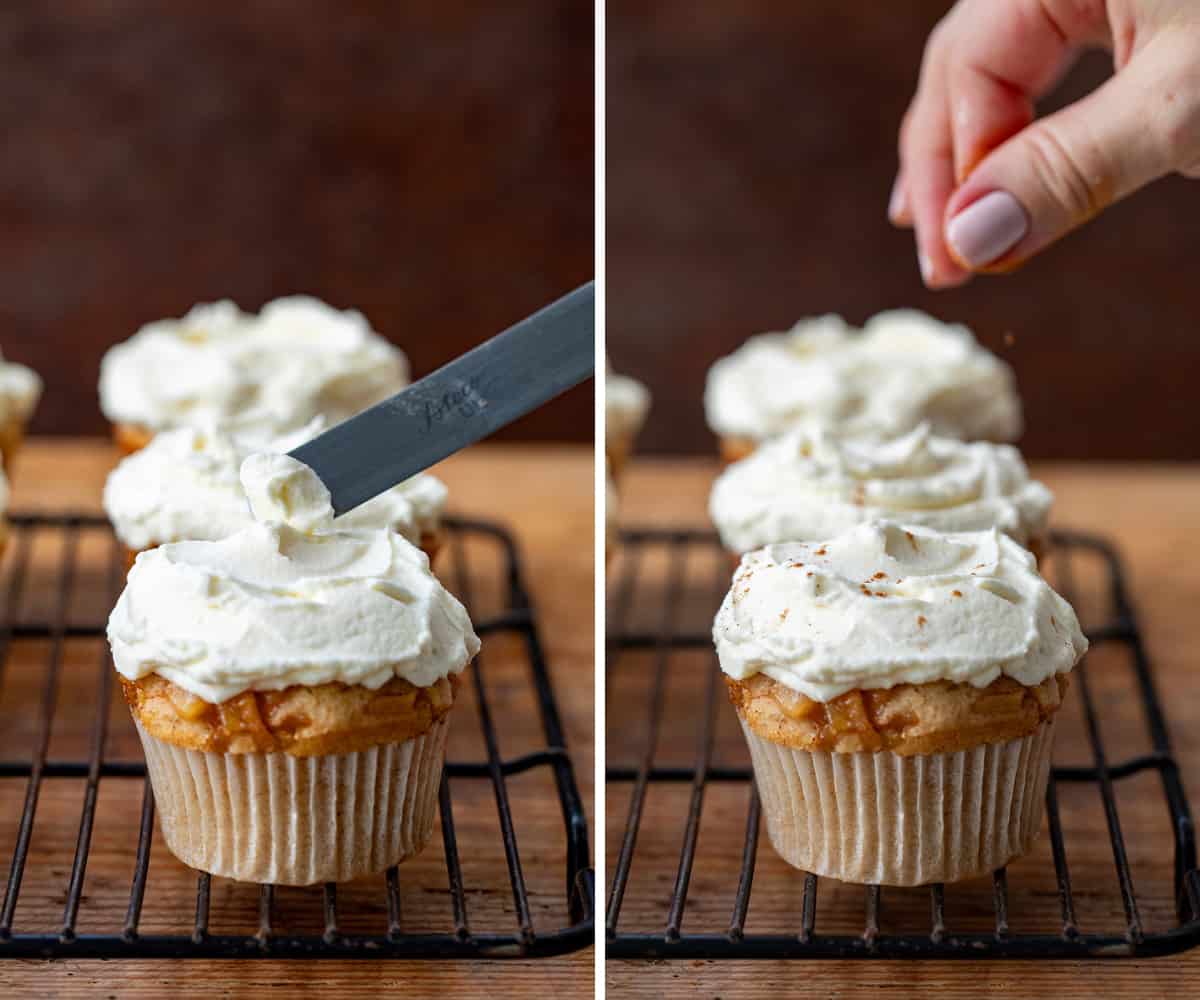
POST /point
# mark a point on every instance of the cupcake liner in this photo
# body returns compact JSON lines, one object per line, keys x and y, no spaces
{"x":287,"y":820}
{"x":886,"y":819}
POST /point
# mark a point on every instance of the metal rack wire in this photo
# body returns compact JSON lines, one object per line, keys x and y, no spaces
{"x":516,"y":620}
{"x":667,"y":641}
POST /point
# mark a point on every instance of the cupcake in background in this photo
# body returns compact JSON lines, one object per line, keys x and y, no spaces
{"x":903,"y":368}
{"x":812,"y":483}
{"x":271,"y":373}
{"x":897,"y":687}
{"x":20,"y":390}
{"x":185,"y":486}
{"x":626,"y":403}
{"x":291,"y":685}
{"x":612,"y":515}
{"x":4,"y":529}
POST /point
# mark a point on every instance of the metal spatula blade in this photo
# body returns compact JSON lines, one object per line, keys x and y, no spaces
{"x":460,"y":403}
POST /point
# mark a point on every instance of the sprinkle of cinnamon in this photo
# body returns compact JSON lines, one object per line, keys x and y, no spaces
{"x":920,"y":621}
{"x":956,"y":593}
{"x":820,"y":551}
{"x":881,"y":575}
{"x":912,"y":540}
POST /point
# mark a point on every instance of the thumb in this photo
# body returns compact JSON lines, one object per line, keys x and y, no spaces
{"x":1062,"y":170}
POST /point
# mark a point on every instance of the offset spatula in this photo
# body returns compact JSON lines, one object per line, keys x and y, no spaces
{"x":490,"y":386}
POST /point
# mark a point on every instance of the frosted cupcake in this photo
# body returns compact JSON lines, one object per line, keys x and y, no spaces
{"x":811,"y":483}
{"x":901,"y":369}
{"x":898,"y":689}
{"x":20,"y":390}
{"x":626,"y":403}
{"x":291,"y":685}
{"x":185,"y":486}
{"x":272,"y":373}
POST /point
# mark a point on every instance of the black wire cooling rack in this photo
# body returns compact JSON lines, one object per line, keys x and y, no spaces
{"x":659,"y":638}
{"x":54,"y":624}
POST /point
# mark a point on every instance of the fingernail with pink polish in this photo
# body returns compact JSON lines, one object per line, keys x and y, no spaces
{"x":987,"y":229}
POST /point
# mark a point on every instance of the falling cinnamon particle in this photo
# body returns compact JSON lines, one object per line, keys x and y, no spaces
{"x":809,"y":573}
{"x":820,"y":551}
{"x":911,"y":539}
{"x":956,"y":593}
{"x":881,"y":575}
{"x":783,"y":615}
{"x":880,"y":593}
{"x":920,"y":621}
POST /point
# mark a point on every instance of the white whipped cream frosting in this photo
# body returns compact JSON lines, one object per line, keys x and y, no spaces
{"x":297,"y":359}
{"x":902,"y":368}
{"x":884,"y":604}
{"x":288,"y":602}
{"x":20,"y":390}
{"x":185,"y":485}
{"x":812,"y":483}
{"x":626,"y":403}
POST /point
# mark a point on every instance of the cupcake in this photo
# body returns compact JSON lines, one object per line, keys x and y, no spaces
{"x":185,"y":486}
{"x":271,"y":373}
{"x":20,"y":390}
{"x":897,"y":687}
{"x":611,"y":515}
{"x":901,"y":369}
{"x":3,"y":511}
{"x":292,"y":686}
{"x":626,"y":402}
{"x":811,"y":483}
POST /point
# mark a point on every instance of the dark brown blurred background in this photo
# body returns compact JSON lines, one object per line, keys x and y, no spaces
{"x":429,"y":164}
{"x":751,"y":151}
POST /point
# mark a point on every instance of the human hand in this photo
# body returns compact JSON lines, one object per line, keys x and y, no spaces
{"x":983,"y":184}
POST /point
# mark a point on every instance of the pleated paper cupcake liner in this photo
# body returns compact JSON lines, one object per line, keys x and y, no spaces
{"x":287,"y":820}
{"x":882,"y":818}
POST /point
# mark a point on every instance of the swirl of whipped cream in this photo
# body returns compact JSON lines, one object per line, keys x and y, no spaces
{"x":812,"y":483}
{"x":626,"y":402}
{"x":185,"y":485}
{"x":884,"y":604}
{"x":20,"y":390}
{"x":276,"y":605}
{"x":297,"y":359}
{"x":902,"y":368}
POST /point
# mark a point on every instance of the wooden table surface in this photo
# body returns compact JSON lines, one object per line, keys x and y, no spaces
{"x":1150,"y":512}
{"x":545,"y":495}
